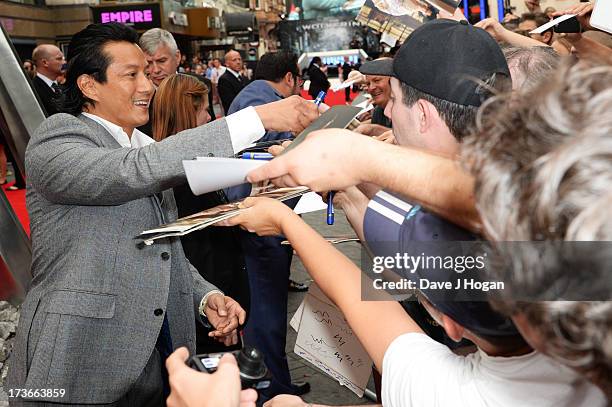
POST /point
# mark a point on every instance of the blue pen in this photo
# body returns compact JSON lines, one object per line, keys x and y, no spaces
{"x":330,"y":208}
{"x":319,"y":98}
{"x":257,"y":156}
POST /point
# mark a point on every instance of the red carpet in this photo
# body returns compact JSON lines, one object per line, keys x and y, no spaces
{"x":17,"y":201}
{"x":332,"y":98}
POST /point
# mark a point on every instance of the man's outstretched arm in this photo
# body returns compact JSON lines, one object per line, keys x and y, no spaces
{"x":337,"y":159}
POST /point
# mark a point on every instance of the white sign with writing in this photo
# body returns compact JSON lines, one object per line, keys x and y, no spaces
{"x":326,"y":340}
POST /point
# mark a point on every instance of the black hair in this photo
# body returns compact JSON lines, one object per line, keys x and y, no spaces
{"x":316,"y":60}
{"x":273,"y":66}
{"x":86,"y":56}
{"x":539,"y":18}
{"x":460,"y":119}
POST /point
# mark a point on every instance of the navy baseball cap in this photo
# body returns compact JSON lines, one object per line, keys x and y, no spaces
{"x":447,"y":59}
{"x":393,"y":226}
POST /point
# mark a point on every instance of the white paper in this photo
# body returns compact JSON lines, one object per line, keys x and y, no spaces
{"x":207,"y":174}
{"x":310,"y":202}
{"x":342,"y":85}
{"x":326,"y":340}
{"x":297,"y":317}
{"x":602,"y":15}
{"x":552,"y":23}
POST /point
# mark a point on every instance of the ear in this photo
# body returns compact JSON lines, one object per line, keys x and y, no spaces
{"x":178,"y":57}
{"x":425,"y":115}
{"x":547,"y":37}
{"x":453,"y":329}
{"x":88,"y":87}
{"x":288,"y":77}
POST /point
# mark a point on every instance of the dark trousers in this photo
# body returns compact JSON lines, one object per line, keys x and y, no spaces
{"x":347,"y":94}
{"x":268,"y":266}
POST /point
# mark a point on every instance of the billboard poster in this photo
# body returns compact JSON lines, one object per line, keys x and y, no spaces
{"x":396,"y":18}
{"x":329,"y":34}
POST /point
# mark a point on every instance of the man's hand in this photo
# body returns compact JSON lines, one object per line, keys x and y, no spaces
{"x":583,"y":14}
{"x":327,"y":160}
{"x":224,"y":314}
{"x":285,"y":400}
{"x":190,"y":388}
{"x":263,"y":216}
{"x":357,"y":77}
{"x":533,"y":6}
{"x":292,"y":114}
{"x":387,"y":137}
{"x":372,"y":130}
{"x":493,"y":27}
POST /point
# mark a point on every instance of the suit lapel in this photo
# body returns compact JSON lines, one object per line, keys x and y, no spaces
{"x":107,"y":139}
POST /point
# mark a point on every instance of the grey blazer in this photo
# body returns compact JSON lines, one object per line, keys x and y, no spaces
{"x":96,"y":303}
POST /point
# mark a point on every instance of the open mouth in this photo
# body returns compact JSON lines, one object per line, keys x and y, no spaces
{"x":142,"y":103}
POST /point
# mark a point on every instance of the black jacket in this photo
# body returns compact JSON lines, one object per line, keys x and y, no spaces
{"x":229,"y":86}
{"x":318,"y":81}
{"x":50,"y":100}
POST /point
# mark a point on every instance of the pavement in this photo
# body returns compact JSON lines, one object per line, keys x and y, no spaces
{"x":324,"y":389}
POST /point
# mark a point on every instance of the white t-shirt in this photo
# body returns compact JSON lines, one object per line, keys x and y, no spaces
{"x":418,"y":371}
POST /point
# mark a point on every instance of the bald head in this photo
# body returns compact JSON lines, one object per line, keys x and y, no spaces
{"x":233,"y":60}
{"x":49,"y":60}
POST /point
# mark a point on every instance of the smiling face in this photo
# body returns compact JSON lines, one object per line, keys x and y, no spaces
{"x":162,"y":63}
{"x":125,"y":96}
{"x":380,"y":89}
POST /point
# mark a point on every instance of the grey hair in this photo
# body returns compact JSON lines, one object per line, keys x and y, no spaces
{"x":151,"y":39}
{"x":530,"y":65}
{"x":543,"y":168}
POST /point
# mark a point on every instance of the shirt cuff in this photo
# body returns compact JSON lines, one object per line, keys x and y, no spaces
{"x":245,"y":128}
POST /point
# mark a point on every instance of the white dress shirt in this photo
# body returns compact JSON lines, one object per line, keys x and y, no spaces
{"x":245,"y":128}
{"x":138,"y":139}
{"x":46,"y":80}
{"x":236,"y":74}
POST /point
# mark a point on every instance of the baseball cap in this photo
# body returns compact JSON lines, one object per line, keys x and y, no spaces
{"x":380,"y":66}
{"x":446,"y":59}
{"x":392,"y":226}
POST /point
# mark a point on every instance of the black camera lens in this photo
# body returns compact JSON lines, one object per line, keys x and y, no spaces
{"x":251,"y":364}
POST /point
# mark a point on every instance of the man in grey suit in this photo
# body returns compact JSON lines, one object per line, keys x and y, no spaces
{"x":103,"y":311}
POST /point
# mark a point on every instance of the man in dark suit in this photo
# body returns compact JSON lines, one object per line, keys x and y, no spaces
{"x":346,"y":70}
{"x":49,"y":61}
{"x":318,"y":78}
{"x":231,"y":82}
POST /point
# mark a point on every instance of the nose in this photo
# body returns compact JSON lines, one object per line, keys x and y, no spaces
{"x":145,"y":85}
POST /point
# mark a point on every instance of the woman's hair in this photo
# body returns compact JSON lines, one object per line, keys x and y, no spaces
{"x":177,"y":102}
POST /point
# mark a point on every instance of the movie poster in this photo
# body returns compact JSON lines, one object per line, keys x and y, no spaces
{"x":396,"y":18}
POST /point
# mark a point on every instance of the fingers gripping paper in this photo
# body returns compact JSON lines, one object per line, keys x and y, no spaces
{"x":326,"y":340}
{"x":207,"y":174}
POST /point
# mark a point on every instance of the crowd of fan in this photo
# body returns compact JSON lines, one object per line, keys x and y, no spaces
{"x":523,"y":154}
{"x":477,"y":133}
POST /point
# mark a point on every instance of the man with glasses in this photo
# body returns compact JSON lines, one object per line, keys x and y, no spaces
{"x":268,"y":263}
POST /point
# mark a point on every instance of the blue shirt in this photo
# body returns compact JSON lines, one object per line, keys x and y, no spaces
{"x":256,"y":93}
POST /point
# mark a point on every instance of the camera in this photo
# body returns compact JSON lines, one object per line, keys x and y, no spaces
{"x":254,"y":373}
